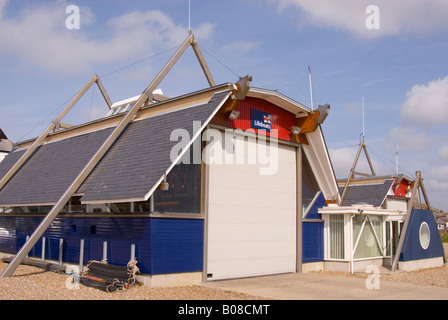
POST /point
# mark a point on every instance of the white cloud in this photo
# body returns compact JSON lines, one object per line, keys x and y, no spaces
{"x":240,"y":46}
{"x":427,"y":104}
{"x":343,"y":160}
{"x":396,"y":17}
{"x":422,"y":138}
{"x":37,"y":37}
{"x":409,"y":139}
{"x":435,"y":180}
{"x":424,"y":115}
{"x":443,"y":153}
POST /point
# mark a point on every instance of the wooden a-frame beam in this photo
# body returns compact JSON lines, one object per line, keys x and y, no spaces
{"x":55,"y":124}
{"x":362,"y":147}
{"x":127,"y":118}
{"x":412,"y":204}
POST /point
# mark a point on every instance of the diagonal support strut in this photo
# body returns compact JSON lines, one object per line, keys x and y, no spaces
{"x":127,"y":118}
{"x":54,"y":124}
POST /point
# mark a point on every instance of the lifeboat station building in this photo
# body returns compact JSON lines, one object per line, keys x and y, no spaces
{"x":227,"y":182}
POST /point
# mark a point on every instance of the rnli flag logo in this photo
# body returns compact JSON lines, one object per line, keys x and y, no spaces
{"x":261,"y":120}
{"x":267,"y":119}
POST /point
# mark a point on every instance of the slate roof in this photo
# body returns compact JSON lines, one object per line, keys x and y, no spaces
{"x":50,"y":171}
{"x":373,"y":193}
{"x":142,"y":154}
{"x":130,"y":168}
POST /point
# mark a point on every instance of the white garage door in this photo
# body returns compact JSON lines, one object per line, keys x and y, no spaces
{"x":252,"y":217}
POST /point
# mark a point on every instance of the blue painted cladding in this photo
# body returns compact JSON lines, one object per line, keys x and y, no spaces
{"x":165,"y":245}
{"x":177,"y":245}
{"x":313,"y":234}
{"x":119,"y":233}
{"x":412,"y":249}
{"x":319,"y":203}
{"x":7,"y":235}
{"x":313,"y":242}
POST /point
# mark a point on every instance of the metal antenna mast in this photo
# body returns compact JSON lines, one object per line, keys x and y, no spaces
{"x":189,"y":15}
{"x":363,"y":121}
{"x":362,"y":146}
{"x":311,"y":89}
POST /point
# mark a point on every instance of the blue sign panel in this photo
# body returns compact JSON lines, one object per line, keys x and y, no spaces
{"x":260,"y":120}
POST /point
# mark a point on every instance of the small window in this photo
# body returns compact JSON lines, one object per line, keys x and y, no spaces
{"x":128,"y":107}
{"x":310,"y":187}
{"x":367,"y":236}
{"x":113,"y":111}
{"x":424,"y":235}
{"x":337,"y":237}
{"x":184,"y":193}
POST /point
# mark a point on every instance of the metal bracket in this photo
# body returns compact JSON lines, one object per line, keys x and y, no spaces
{"x":323,"y":113}
{"x":243,"y":85}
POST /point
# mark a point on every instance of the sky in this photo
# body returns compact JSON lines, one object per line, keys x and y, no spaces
{"x":392,"y":56}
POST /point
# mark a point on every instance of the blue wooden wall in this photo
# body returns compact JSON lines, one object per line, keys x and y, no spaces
{"x":313,"y":234}
{"x":162,"y":245}
{"x":412,"y":249}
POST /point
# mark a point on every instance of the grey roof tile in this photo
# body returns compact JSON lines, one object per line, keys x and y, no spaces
{"x":373,"y":194}
{"x":129,"y":169}
{"x":50,"y":170}
{"x":139,"y":158}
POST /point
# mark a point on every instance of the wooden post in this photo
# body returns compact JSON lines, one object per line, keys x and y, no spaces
{"x":81,"y":255}
{"x":43,"y":249}
{"x":104,"y":252}
{"x":61,"y":250}
{"x":299,"y":232}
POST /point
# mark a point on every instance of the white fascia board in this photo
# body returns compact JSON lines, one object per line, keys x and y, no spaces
{"x":359,"y":210}
{"x":28,"y":205}
{"x":319,"y":159}
{"x":280,"y":100}
{"x":100,"y":202}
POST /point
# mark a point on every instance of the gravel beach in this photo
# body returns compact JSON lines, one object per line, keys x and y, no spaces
{"x":31,"y":283}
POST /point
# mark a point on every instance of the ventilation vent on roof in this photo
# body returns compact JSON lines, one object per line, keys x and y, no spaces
{"x":5,"y":144}
{"x":126,"y":105}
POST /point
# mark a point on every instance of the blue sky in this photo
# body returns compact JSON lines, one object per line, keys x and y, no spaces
{"x":400,"y":69}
